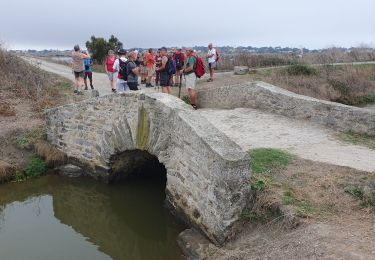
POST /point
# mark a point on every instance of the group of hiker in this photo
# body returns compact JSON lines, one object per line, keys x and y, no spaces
{"x":124,"y":69}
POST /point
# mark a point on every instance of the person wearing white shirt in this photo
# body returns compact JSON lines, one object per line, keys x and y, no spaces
{"x":121,"y":78}
{"x":211,"y":58}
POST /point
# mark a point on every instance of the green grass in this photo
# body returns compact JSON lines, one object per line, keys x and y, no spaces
{"x":355,"y":192}
{"x":263,"y":160}
{"x":358,"y":139}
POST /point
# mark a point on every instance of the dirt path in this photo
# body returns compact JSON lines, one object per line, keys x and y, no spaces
{"x":252,"y":128}
{"x":100,"y":80}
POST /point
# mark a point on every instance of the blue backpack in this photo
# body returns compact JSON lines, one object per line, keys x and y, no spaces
{"x":171,"y":66}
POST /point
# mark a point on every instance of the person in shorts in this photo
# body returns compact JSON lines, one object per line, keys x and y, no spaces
{"x":88,"y":71}
{"x":78,"y":68}
{"x":108,"y":66}
{"x":189,"y":75}
{"x":165,"y":78}
{"x":150,"y":61}
{"x":119,"y":67}
{"x":211,"y":59}
{"x":133,"y":71}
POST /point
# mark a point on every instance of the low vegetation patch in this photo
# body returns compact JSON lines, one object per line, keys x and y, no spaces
{"x":27,"y":139}
{"x":6,"y":171}
{"x":358,"y":139}
{"x":263,"y":160}
{"x":300,"y":70}
{"x":49,"y":153}
{"x":35,"y":167}
{"x":6,"y":109}
{"x":347,"y":84}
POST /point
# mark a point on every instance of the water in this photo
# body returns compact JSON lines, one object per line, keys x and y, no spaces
{"x":53,"y":217}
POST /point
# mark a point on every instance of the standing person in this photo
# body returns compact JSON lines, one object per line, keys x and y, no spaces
{"x":120,"y":67}
{"x":109,"y":62}
{"x":171,"y":56}
{"x":143,"y":66}
{"x":78,"y":68}
{"x":190,"y":77}
{"x":150,"y":60}
{"x":211,"y":58}
{"x":88,"y":71}
{"x":133,"y":71}
{"x":158,"y":59}
{"x":179,"y":58}
{"x":165,"y":76}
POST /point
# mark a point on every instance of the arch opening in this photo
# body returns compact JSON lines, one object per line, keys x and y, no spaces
{"x":136,"y":165}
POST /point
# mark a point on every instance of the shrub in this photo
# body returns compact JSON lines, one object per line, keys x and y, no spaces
{"x":300,"y":70}
{"x":35,"y":167}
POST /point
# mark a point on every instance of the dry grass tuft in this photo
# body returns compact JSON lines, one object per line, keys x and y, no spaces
{"x":6,"y":171}
{"x":7,"y":109}
{"x":49,"y":153}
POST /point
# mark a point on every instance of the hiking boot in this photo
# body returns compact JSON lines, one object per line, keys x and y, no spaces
{"x":86,"y":88}
{"x":114,"y":90}
{"x":92,"y":87}
{"x":194,"y":106}
{"x":210,"y":80}
{"x":79,"y":93}
{"x":75,"y":91}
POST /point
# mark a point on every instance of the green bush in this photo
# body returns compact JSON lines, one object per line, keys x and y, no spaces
{"x":300,"y":70}
{"x":35,"y":167}
{"x":264,"y":159}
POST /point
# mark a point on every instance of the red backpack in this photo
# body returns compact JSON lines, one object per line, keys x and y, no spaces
{"x":200,"y":69}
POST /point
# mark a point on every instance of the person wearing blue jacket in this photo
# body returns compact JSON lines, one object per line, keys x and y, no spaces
{"x":88,"y":72}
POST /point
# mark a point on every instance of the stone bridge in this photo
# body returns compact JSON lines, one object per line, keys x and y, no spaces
{"x":208,"y":175}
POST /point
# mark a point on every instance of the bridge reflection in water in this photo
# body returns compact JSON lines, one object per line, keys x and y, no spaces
{"x":125,"y":220}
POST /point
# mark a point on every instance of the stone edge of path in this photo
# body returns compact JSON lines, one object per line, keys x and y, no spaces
{"x":273,"y":99}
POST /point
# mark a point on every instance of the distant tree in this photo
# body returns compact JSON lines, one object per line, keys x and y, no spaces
{"x":99,"y":47}
{"x":114,"y":44}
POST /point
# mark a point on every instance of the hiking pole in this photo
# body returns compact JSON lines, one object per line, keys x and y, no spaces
{"x":179,"y":88}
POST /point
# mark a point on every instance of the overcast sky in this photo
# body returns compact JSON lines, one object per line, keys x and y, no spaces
{"x":60,"y":24}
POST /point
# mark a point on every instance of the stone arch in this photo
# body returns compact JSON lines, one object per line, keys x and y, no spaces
{"x":207,"y":174}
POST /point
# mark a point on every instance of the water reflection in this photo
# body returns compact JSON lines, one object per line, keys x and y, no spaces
{"x":120,"y":221}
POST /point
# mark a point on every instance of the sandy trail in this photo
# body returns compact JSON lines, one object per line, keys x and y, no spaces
{"x":251,"y":128}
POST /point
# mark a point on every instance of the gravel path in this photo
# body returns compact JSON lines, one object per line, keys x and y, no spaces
{"x":100,"y":80}
{"x":251,"y":128}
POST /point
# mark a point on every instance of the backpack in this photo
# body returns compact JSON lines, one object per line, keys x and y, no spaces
{"x":200,"y":69}
{"x":171,"y":66}
{"x":217,"y":57}
{"x":123,"y":73}
{"x":179,"y":61}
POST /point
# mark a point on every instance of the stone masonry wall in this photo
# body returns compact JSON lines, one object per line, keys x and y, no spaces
{"x":208,"y":175}
{"x":273,"y":99}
